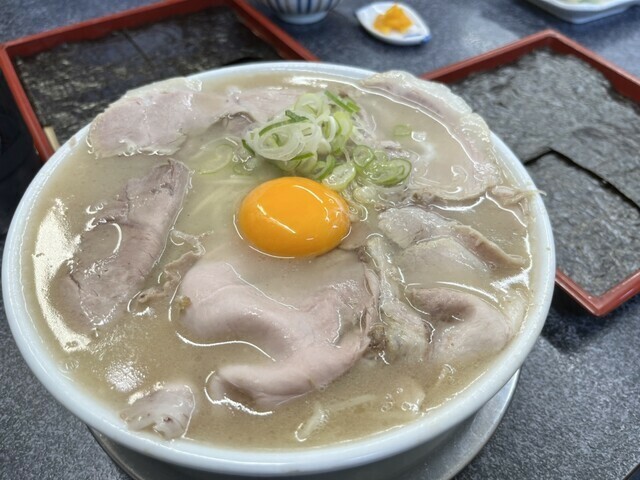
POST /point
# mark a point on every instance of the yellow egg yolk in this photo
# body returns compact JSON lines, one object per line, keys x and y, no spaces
{"x":293,"y":217}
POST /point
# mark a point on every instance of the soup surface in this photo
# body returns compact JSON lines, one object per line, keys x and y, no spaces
{"x":438,"y":302}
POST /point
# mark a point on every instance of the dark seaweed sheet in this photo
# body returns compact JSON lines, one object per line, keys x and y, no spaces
{"x":596,"y":229}
{"x":580,"y":140}
{"x":70,"y":84}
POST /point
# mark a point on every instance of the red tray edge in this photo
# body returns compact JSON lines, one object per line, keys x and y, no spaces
{"x":44,"y":148}
{"x":94,"y":28}
{"x":623,"y":82}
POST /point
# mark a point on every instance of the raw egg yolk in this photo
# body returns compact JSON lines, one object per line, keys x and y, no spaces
{"x":293,"y":217}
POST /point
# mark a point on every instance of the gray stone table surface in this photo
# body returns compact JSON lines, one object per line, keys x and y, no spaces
{"x":576,"y":411}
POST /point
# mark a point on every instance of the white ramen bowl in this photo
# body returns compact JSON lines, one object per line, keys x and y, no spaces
{"x":402,"y":443}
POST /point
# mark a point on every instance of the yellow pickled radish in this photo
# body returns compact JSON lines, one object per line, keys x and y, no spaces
{"x":394,"y":19}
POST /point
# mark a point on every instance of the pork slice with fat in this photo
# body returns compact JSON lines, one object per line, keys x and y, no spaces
{"x":467,"y":328}
{"x":264,"y":103}
{"x":118,"y":251}
{"x":481,"y":168}
{"x":409,"y":225}
{"x":167,"y":411}
{"x":159,"y":118}
{"x":308,"y":345}
{"x":444,"y":259}
{"x":400,"y":330}
{"x":156,"y":121}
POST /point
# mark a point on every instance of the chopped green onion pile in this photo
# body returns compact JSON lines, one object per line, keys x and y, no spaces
{"x":316,"y":139}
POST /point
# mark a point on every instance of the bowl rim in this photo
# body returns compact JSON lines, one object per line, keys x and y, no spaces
{"x":589,"y":7}
{"x":254,"y":461}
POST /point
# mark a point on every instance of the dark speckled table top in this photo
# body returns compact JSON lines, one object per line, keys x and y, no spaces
{"x":576,"y":411}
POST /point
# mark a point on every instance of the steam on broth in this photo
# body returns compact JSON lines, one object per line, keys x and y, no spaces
{"x":428,"y":286}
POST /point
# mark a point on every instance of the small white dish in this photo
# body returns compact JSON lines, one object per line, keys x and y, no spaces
{"x":418,"y":33}
{"x":583,"y":12}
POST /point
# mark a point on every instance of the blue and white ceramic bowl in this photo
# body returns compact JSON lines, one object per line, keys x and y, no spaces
{"x":301,"y":12}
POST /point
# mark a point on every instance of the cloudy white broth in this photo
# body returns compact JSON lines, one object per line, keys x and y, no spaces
{"x":221,"y":333}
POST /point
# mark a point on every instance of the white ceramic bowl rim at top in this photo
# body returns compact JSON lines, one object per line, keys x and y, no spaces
{"x":265,"y":463}
{"x":590,"y":7}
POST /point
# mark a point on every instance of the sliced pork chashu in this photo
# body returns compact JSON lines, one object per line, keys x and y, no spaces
{"x":308,"y":345}
{"x":467,"y":328}
{"x":479,"y":171}
{"x":158,"y":119}
{"x":441,"y":324}
{"x":408,"y":225}
{"x":166,"y":411}
{"x":400,"y":330}
{"x":117,"y":253}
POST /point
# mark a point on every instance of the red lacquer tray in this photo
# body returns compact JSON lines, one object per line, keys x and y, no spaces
{"x":622,"y":82}
{"x":93,"y":29}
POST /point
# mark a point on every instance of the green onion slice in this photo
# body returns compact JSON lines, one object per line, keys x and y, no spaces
{"x":307,"y":163}
{"x":345,"y":102}
{"x":387,"y":174}
{"x":248,"y":148}
{"x":361,"y":156}
{"x":288,"y":166}
{"x":345,"y":127}
{"x":323,"y":168}
{"x":340,"y":177}
{"x":293,"y":118}
{"x":402,"y":130}
{"x":216,"y":155}
{"x":313,"y":103}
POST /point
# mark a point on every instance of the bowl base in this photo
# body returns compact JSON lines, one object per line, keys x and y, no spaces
{"x":302,"y":19}
{"x":455,"y":451}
